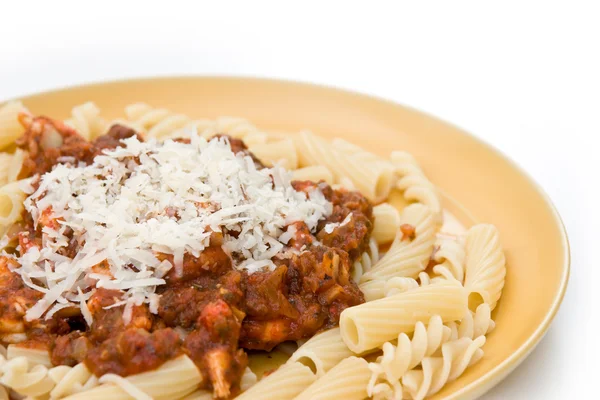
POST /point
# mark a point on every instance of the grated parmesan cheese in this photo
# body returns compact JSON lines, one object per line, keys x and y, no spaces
{"x":146,"y":198}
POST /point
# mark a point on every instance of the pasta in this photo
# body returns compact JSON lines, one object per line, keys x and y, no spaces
{"x":474,"y":324}
{"x":10,"y":166}
{"x":282,"y":151}
{"x":371,"y":324}
{"x":456,"y":356}
{"x":387,"y":223}
{"x":322,"y":351}
{"x":406,"y":257}
{"x":156,"y":122}
{"x":347,"y":380}
{"x":373,"y":290}
{"x":25,"y":379}
{"x":10,"y":128}
{"x":248,"y":380}
{"x":373,"y":178}
{"x":33,"y":356}
{"x":11,"y":204}
{"x":398,"y":359}
{"x":315,"y":173}
{"x":284,"y":384}
{"x":414,"y":183}
{"x":366,"y":261}
{"x":449,"y":255}
{"x":429,"y":291}
{"x":71,"y":380}
{"x":485,"y":265}
{"x":174,"y":379}
{"x":85,"y":118}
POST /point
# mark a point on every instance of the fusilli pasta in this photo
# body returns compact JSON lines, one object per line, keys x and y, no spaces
{"x":408,"y":257}
{"x":414,"y":183}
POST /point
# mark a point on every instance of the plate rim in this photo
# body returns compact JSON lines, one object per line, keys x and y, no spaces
{"x":487,"y":381}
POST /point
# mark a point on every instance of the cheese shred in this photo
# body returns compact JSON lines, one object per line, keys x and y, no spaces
{"x":138,"y":209}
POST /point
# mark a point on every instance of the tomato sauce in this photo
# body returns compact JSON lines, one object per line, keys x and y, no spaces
{"x":212,"y":312}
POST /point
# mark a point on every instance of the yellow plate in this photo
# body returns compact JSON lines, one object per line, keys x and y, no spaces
{"x":479,"y":184}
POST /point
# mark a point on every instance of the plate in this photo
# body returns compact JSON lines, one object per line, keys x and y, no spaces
{"x":477,"y":182}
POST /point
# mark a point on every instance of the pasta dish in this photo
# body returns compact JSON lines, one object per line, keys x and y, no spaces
{"x":156,"y":256}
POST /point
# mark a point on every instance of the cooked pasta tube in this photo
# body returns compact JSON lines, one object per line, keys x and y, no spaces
{"x":322,"y":351}
{"x":282,"y":151}
{"x":11,"y":204}
{"x":485,"y":265}
{"x":34,"y":356}
{"x":347,"y":380}
{"x":373,"y":290}
{"x":284,"y":384}
{"x":408,"y":257}
{"x":373,"y":178}
{"x":10,"y":128}
{"x":174,"y":379}
{"x":387,"y":223}
{"x":369,"y":325}
{"x":10,"y":166}
{"x":313,"y":173}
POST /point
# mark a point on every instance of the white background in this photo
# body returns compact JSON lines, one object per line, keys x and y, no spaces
{"x":523,"y":76}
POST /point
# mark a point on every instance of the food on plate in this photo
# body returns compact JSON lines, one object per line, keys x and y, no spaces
{"x":149,"y":257}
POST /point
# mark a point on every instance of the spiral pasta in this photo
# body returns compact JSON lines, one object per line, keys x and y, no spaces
{"x":373,"y":177}
{"x":474,"y":324}
{"x":370,"y":325}
{"x":366,"y":261}
{"x":407,"y":353}
{"x":449,"y":254}
{"x":86,"y":120}
{"x":413,"y":182}
{"x":485,"y":265}
{"x":387,"y":223}
{"x":422,"y":310}
{"x":408,"y":257}
{"x":435,"y":372}
{"x":156,"y":122}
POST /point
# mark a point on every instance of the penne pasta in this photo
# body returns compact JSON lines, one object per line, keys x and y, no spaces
{"x":485,"y":266}
{"x":283,"y":151}
{"x":347,"y":380}
{"x":387,"y":223}
{"x":314,"y":173}
{"x":10,"y":128}
{"x":410,"y":320}
{"x":284,"y":384}
{"x":369,"y":325}
{"x":322,"y":351}
{"x":408,"y":257}
{"x":373,"y":178}
{"x":174,"y":379}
